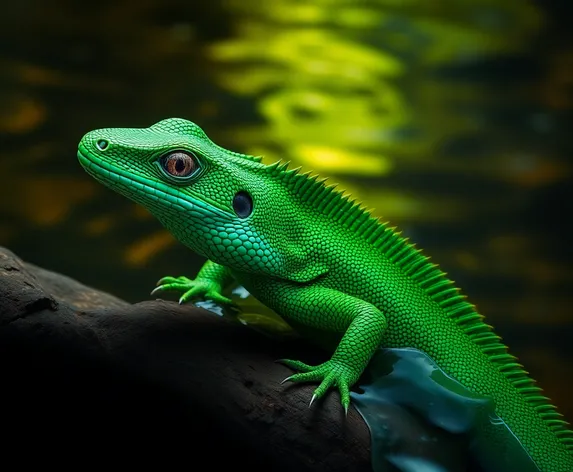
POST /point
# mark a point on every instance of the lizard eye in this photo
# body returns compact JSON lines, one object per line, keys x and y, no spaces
{"x":179,"y":164}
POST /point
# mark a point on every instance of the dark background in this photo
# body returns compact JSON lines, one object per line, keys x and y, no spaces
{"x":452,"y":119}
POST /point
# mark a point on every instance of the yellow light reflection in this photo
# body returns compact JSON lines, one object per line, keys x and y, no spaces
{"x":335,"y":160}
{"x":141,"y":251}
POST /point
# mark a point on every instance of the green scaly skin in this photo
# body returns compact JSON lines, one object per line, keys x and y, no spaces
{"x":321,"y":262}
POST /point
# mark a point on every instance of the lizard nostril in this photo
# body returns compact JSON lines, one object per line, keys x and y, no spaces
{"x":101,"y":144}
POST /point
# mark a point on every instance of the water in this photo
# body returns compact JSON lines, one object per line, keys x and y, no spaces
{"x":409,"y":380}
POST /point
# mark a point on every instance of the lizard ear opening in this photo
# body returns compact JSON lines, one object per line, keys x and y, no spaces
{"x":243,"y":204}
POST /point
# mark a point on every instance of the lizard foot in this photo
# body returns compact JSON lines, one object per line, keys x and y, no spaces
{"x":331,"y":373}
{"x":192,"y":289}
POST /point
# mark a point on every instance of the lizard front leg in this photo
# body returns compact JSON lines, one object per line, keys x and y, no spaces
{"x":208,"y":285}
{"x":327,"y":309}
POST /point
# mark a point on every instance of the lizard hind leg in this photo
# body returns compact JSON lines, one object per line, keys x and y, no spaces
{"x":363,"y":326}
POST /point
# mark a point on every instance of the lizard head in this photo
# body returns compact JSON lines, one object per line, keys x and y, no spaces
{"x":221,"y":204}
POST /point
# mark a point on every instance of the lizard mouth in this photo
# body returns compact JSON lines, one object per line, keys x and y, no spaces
{"x":156,"y":193}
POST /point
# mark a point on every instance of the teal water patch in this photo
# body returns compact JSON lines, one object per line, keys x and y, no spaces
{"x":421,"y":420}
{"x":239,"y":293}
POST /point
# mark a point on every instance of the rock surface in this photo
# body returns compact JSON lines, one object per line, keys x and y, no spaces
{"x":87,"y":377}
{"x":85,"y":372}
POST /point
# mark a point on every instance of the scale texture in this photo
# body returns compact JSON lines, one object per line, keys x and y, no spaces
{"x":320,"y":260}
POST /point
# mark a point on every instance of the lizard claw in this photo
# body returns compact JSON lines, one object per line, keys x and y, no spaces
{"x":287,"y":379}
{"x":311,"y":400}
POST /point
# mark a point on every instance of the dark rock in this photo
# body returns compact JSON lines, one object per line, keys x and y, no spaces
{"x":87,"y":378}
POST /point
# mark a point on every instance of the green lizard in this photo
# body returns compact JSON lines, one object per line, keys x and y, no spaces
{"x":323,"y":263}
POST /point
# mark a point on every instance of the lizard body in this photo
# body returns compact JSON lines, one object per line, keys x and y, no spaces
{"x":324,"y":264}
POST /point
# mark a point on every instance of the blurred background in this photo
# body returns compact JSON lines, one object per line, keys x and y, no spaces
{"x":451,"y":118}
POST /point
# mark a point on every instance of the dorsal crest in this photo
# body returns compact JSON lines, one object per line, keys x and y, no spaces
{"x":339,"y":207}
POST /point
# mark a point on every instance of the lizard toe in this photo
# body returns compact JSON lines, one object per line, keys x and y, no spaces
{"x":295,"y":365}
